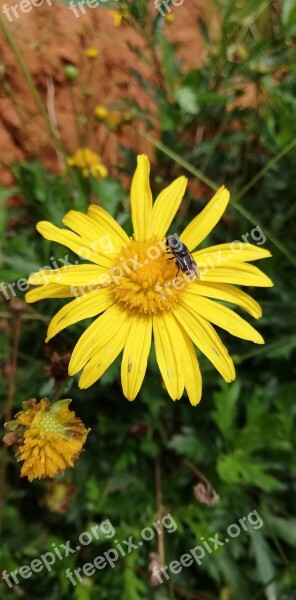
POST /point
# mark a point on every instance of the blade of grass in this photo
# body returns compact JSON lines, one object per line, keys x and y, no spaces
{"x":265,"y":169}
{"x":30,"y":83}
{"x":181,"y":161}
{"x":234,"y":202}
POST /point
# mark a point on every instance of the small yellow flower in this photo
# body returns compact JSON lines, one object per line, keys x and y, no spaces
{"x":135,"y":293}
{"x":48,"y":438}
{"x":119,"y":17}
{"x":88,"y":162}
{"x":112,"y":118}
{"x":92,"y":53}
{"x":101,"y":112}
{"x":169,"y":18}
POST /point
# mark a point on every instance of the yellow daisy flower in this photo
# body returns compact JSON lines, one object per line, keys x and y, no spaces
{"x":137,"y":291}
{"x":88,"y":162}
{"x":48,"y":437}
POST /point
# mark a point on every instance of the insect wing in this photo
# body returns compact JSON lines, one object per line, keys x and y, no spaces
{"x":190,"y":265}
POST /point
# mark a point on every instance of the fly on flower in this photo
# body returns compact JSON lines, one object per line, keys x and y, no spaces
{"x":183,"y":258}
{"x":126,"y":302}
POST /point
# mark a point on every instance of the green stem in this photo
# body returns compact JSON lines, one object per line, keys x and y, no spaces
{"x":214,"y":143}
{"x":61,"y":389}
{"x":263,"y":171}
{"x":234,"y":202}
{"x":25,"y":317}
{"x":76,"y":116}
{"x":9,"y":95}
{"x":267,"y":348}
{"x":29,"y":81}
{"x":184,"y":163}
{"x":273,"y":238}
{"x":237,"y":359}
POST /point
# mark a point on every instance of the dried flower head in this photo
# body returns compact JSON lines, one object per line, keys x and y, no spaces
{"x":206,"y":494}
{"x":58,"y":365}
{"x":58,"y":496}
{"x":47,"y":437}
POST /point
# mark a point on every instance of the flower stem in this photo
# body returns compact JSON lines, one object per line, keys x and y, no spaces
{"x":61,"y":389}
{"x":234,"y":202}
{"x":30,"y":82}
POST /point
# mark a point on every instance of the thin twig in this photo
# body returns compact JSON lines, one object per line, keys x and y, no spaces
{"x":197,"y":472}
{"x":53,"y":118}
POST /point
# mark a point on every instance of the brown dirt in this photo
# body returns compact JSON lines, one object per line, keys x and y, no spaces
{"x":48,"y":38}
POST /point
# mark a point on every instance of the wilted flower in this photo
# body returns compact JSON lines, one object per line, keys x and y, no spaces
{"x":58,"y":495}
{"x":206,"y":494}
{"x":154,"y":565}
{"x":137,"y":292}
{"x":88,"y":162}
{"x":58,"y":365}
{"x":47,"y":437}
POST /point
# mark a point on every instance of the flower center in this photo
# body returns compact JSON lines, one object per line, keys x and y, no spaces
{"x":50,"y":424}
{"x":145,"y":280}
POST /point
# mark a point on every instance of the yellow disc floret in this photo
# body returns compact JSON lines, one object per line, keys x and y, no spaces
{"x":145,"y":279}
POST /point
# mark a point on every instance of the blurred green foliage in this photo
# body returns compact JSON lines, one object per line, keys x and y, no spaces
{"x":241,"y":437}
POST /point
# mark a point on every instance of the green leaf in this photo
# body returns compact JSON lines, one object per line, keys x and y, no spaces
{"x":265,"y":566}
{"x":225,"y":402}
{"x":238,"y":468}
{"x":133,"y":587}
{"x":187,"y":444}
{"x":5,"y":194}
{"x":109,"y":193}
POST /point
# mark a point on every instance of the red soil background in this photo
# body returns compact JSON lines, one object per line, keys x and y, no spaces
{"x":50,"y":37}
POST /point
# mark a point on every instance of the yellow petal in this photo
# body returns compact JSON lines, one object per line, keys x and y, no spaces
{"x":192,"y":375}
{"x":52,"y":290}
{"x":80,"y":275}
{"x":227,"y":293}
{"x":103,"y":239}
{"x":102,"y":218}
{"x":135,"y":356}
{"x":82,"y":225}
{"x":82,"y":246}
{"x":99,"y":171}
{"x":203,"y":224}
{"x":222,"y":316}
{"x":207,"y":340}
{"x":236,"y":273}
{"x":106,"y":355}
{"x":83,"y":307}
{"x":166,"y":337}
{"x":99,"y":333}
{"x":222,"y":254}
{"x":166,"y":206}
{"x":141,"y":199}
